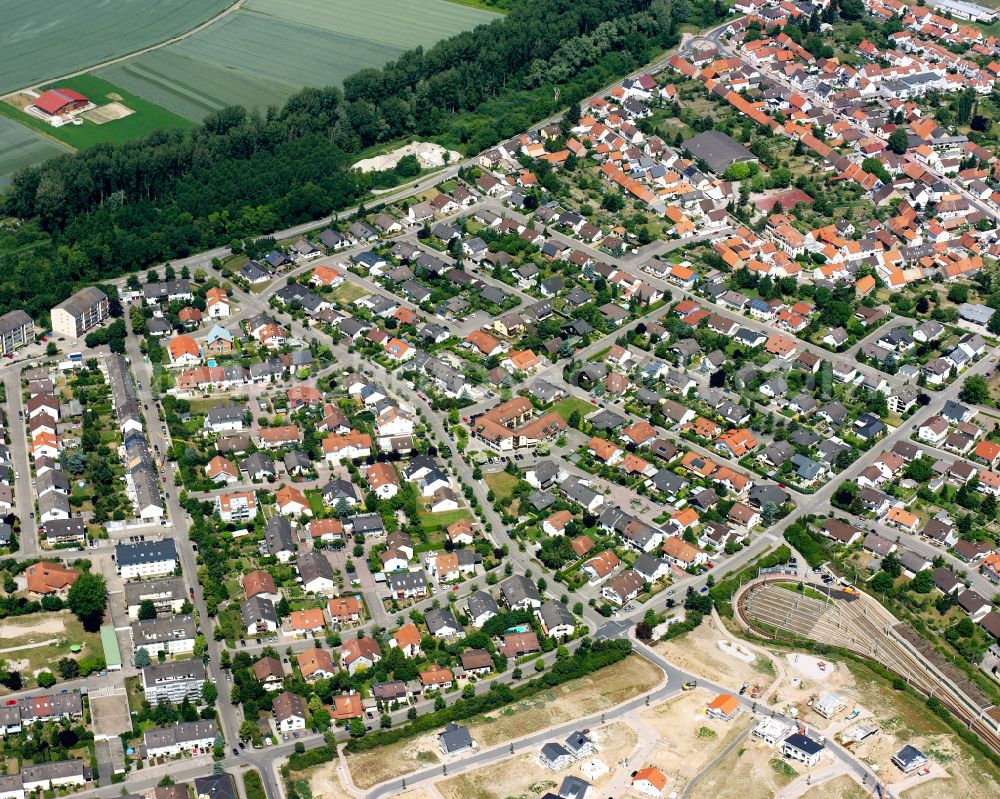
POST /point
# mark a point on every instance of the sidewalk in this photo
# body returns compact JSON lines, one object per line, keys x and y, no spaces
{"x":505,"y":750}
{"x":805,"y":782}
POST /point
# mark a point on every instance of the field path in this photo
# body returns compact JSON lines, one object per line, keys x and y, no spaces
{"x":238,"y":4}
{"x":717,"y":759}
{"x":29,"y":646}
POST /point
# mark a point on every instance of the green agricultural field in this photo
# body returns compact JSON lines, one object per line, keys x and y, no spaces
{"x":40,"y":41}
{"x":146,"y":118}
{"x":269,"y":49}
{"x":21,"y":147}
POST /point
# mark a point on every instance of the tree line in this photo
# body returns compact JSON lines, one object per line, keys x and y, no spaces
{"x":114,"y":208}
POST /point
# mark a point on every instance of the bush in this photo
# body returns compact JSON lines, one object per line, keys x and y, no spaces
{"x":321,"y":754}
{"x":808,"y":544}
{"x":585,"y":660}
{"x":253,"y":785}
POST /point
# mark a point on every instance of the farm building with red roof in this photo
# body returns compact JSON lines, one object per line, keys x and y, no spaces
{"x":56,"y":102}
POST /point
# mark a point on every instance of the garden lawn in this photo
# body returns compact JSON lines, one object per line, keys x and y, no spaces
{"x":439,"y":521}
{"x":501,"y":484}
{"x":315,"y":497}
{"x":565,"y":407}
{"x":347,"y":292}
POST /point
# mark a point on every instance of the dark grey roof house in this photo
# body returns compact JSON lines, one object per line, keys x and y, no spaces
{"x":718,"y":150}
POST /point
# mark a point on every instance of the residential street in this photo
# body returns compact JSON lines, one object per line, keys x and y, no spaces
{"x":415,"y":593}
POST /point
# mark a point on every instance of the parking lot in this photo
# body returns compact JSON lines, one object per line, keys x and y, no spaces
{"x":110,"y":713}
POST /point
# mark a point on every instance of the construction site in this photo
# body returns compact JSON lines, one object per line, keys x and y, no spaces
{"x":850,"y":620}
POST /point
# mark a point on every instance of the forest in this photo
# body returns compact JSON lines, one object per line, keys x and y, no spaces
{"x":111,"y":209}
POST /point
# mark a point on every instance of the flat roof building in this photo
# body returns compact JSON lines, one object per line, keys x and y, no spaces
{"x":146,"y":558}
{"x":959,"y":9}
{"x":718,"y":150}
{"x":173,"y":681}
{"x":112,"y":652}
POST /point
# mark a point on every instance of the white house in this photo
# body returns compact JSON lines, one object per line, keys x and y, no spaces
{"x":802,"y":748}
{"x":192,"y":736}
{"x":145,"y":558}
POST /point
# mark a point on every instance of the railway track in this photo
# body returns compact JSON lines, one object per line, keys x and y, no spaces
{"x":846,"y":624}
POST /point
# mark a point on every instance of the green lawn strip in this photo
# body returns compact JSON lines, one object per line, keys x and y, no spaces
{"x":315,"y":497}
{"x":146,"y":118}
{"x":565,"y":407}
{"x":500,"y":8}
{"x":806,"y":590}
{"x":439,"y":521}
{"x":501,"y":484}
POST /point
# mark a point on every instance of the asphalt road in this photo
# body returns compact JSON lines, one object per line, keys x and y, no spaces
{"x":266,"y":759}
{"x":24,"y":492}
{"x":675,"y":678}
{"x":180,"y":527}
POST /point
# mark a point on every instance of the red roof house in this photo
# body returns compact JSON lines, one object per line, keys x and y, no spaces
{"x":60,"y":101}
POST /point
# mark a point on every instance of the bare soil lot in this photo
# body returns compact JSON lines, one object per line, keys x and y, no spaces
{"x":699,"y":653}
{"x":107,"y":113}
{"x":395,"y":760}
{"x":839,"y":788}
{"x":111,"y":715}
{"x":688,"y":739}
{"x":35,"y":625}
{"x":324,"y":781}
{"x":904,"y":719}
{"x":429,"y":155}
{"x":576,"y":699}
{"x":523,"y":776}
{"x":516,"y":776}
{"x":747,"y":773}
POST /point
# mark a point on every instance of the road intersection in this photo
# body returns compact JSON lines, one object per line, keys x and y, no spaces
{"x":621,"y":626}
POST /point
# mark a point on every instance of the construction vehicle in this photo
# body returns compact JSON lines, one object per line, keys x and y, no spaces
{"x":850,"y":590}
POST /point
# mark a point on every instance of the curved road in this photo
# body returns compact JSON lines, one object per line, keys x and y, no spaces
{"x":675,"y":678}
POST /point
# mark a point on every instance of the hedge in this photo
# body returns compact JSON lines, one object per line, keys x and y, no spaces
{"x":584,"y":661}
{"x":321,"y":754}
{"x":692,"y":620}
{"x":799,"y":536}
{"x":253,"y":784}
{"x":722,"y":592}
